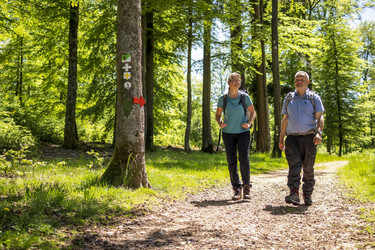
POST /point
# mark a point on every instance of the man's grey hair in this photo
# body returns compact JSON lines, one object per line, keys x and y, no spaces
{"x":302,"y":73}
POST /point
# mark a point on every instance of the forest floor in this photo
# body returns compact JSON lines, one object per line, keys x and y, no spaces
{"x":210,"y":220}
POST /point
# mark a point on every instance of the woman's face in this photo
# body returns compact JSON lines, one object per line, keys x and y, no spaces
{"x":235,"y":83}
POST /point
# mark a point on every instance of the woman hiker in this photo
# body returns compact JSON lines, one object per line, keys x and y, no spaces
{"x":236,"y":134}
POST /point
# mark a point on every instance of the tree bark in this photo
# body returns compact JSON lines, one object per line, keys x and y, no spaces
{"x":70,"y":119}
{"x":207,"y":143}
{"x":150,"y":66}
{"x":20,"y":72}
{"x":263,"y":136}
{"x":338,"y":99}
{"x":128,"y":165}
{"x":236,"y":38}
{"x":189,"y":108}
{"x":276,"y":152}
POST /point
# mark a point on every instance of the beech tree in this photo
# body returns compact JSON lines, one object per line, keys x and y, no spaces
{"x":207,"y":143}
{"x":276,"y":152}
{"x":70,"y":131}
{"x":128,"y":166}
{"x":188,"y":77}
{"x":263,"y":132}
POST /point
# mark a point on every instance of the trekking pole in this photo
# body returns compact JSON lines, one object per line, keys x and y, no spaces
{"x":218,"y":142}
{"x":252,"y":137}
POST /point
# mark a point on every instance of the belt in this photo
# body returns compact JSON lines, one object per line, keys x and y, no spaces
{"x":310,"y":132}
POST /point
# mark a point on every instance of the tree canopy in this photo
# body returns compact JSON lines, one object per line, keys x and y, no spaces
{"x":324,"y":38}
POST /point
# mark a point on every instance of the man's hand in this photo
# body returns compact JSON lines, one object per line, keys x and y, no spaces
{"x":318,"y":139}
{"x":281,"y":145}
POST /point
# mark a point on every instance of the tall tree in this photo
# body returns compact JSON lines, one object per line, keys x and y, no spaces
{"x":207,"y":143}
{"x":236,"y":39}
{"x":263,"y":132}
{"x":188,"y":77}
{"x":70,"y":131}
{"x":150,"y":67}
{"x":276,"y":152}
{"x":367,"y":31}
{"x":128,"y":165}
{"x":337,"y":74}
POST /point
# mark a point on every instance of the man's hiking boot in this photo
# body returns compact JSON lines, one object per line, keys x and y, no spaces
{"x":307,"y":199}
{"x":293,"y":197}
{"x":246,"y":192}
{"x":237,"y":194}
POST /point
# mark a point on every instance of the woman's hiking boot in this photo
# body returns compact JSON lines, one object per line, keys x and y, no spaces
{"x":237,"y":194}
{"x":307,"y":199}
{"x":246,"y":192}
{"x":293,"y":197}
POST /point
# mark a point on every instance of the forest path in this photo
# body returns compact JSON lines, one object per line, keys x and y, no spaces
{"x":210,"y":220}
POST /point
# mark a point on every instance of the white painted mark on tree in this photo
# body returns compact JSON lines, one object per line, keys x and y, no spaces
{"x":127,"y":85}
{"x":127,"y":67}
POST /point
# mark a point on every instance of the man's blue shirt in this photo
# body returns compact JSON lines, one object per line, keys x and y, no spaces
{"x":234,"y":115}
{"x":300,"y":111}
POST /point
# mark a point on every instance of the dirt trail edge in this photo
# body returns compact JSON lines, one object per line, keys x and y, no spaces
{"x":210,"y":220}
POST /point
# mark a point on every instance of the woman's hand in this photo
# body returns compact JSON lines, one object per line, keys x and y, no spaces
{"x":246,"y":125}
{"x":222,"y":125}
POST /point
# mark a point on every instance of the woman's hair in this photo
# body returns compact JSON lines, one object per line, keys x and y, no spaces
{"x":234,"y":75}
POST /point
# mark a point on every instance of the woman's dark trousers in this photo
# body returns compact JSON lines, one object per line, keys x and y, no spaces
{"x":241,"y":142}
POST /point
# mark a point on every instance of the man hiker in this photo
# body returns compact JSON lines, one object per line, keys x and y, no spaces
{"x":303,"y":124}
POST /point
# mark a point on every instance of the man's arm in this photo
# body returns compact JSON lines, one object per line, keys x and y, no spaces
{"x":319,"y":126}
{"x":284,"y":124}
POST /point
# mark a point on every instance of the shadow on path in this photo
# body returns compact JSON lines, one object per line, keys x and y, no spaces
{"x":215,"y":203}
{"x":282,"y":210}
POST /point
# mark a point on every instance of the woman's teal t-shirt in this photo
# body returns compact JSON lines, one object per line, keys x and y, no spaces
{"x":234,"y":115}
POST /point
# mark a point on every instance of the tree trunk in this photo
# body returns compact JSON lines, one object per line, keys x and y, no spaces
{"x":144,"y":41}
{"x":20,"y":72}
{"x":207,"y":143}
{"x":236,"y":38}
{"x":189,"y":108}
{"x":150,"y":66}
{"x":276,"y":152}
{"x":372,"y":130}
{"x":263,"y":138}
{"x":338,"y":99}
{"x":128,"y":165}
{"x":70,"y":113}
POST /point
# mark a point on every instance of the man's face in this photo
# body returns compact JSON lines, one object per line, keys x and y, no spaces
{"x":301,"y":82}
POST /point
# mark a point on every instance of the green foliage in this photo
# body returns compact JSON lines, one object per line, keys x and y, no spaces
{"x":336,"y":72}
{"x":13,"y":135}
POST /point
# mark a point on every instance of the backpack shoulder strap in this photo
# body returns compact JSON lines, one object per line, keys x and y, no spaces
{"x":225,"y":101}
{"x":289,"y":97}
{"x":242,"y":100}
{"x":311,"y":96}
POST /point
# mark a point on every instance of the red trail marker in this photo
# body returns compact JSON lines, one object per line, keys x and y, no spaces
{"x":140,"y":101}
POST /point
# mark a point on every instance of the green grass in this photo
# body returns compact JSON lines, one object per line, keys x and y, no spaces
{"x":325,"y":157}
{"x":359,"y":175}
{"x":40,"y":199}
{"x":359,"y":178}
